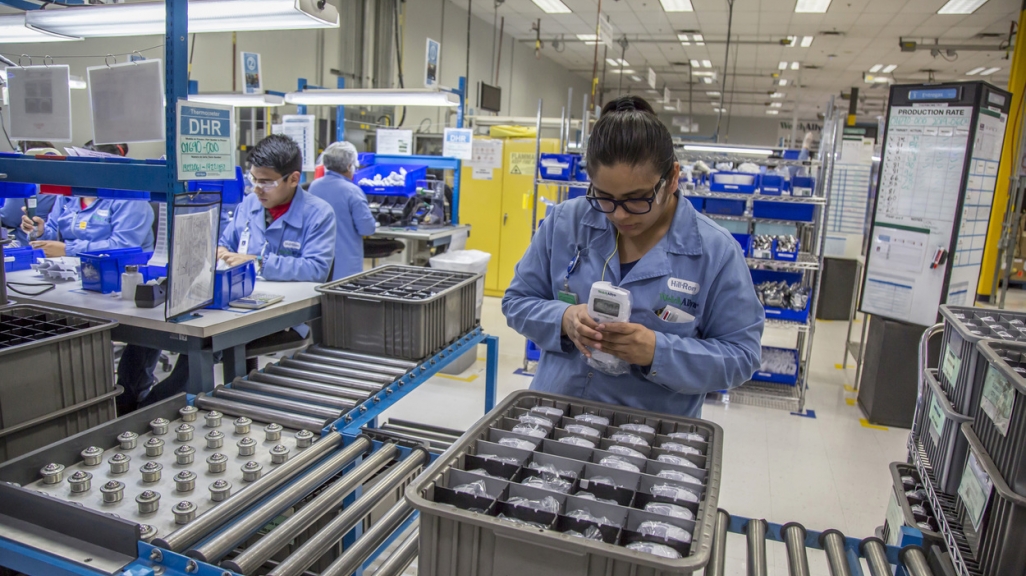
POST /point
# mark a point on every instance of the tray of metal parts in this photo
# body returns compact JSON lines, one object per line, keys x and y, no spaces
{"x":553,"y":485}
{"x":404,"y":312}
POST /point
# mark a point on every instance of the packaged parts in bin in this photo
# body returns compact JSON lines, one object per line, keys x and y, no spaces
{"x":664,"y":530}
{"x":577,"y":441}
{"x":592,"y":419}
{"x":548,"y":482}
{"x":532,"y":430}
{"x":629,"y":439}
{"x":624,"y":451}
{"x":619,"y":464}
{"x":677,"y":460}
{"x":551,"y":469}
{"x":547,"y":504}
{"x":670,"y":510}
{"x":762,"y":246}
{"x":780,"y":294}
{"x":655,"y":549}
{"x":674,"y":493}
{"x":591,"y":533}
{"x":518,"y":443}
{"x":642,"y":428}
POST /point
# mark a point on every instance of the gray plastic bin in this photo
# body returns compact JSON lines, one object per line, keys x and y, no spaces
{"x":398,"y":311}
{"x":937,"y":430}
{"x":456,"y":541}
{"x":1000,"y":421}
{"x":58,"y":376}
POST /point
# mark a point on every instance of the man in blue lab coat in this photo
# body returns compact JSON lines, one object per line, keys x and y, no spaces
{"x":353,"y":218}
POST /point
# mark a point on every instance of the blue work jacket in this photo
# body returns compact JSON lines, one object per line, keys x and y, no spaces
{"x":353,"y":220}
{"x":103,"y":225}
{"x":11,"y":213}
{"x":297,"y":247}
{"x":697,"y":267}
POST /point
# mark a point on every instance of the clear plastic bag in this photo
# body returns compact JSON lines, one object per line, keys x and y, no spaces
{"x":590,"y":533}
{"x":587,"y":516}
{"x":577,"y":441}
{"x":546,"y":504}
{"x":678,"y":476}
{"x":548,"y":482}
{"x":680,"y":448}
{"x":521,"y":522}
{"x":503,"y":459}
{"x":624,"y":451}
{"x":550,"y":411}
{"x":654,"y":549}
{"x":607,"y":363}
{"x":665,"y":531}
{"x":475,"y":488}
{"x":686,"y":436}
{"x":583,"y":430}
{"x":632,"y":439}
{"x":674,"y":493}
{"x":483,"y":472}
{"x":551,"y":469}
{"x":536,"y":420}
{"x":518,"y":443}
{"x":592,"y":419}
{"x":590,"y":496}
{"x":619,"y":463}
{"x":532,"y":430}
{"x":676,"y":460}
{"x":671,"y":510}
{"x":643,"y":428}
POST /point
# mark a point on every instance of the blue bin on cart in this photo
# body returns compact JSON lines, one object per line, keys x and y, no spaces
{"x":724,"y":207}
{"x":745,"y":240}
{"x":734,"y":182}
{"x":697,"y":201}
{"x":784,"y":211}
{"x":102,"y":269}
{"x":560,"y":166}
{"x":803,"y":186}
{"x":22,"y":258}
{"x":233,"y":284}
{"x":532,"y":353}
{"x":414,"y":172}
{"x":788,"y":379}
{"x":772,"y":184}
{"x":17,"y":190}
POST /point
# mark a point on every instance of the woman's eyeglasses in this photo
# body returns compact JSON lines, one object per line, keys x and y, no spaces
{"x":630,"y":205}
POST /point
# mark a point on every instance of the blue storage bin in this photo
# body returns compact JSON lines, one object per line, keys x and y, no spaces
{"x":233,"y":284}
{"x":414,"y":172}
{"x":532,"y":352}
{"x":791,"y":154}
{"x":786,"y":256}
{"x":783,"y":211}
{"x":581,"y":174}
{"x":697,"y":201}
{"x":788,"y":379}
{"x":772,"y":184}
{"x":745,"y":240}
{"x":365,"y":159}
{"x":576,"y":193}
{"x":17,"y":190}
{"x":803,"y":186}
{"x":231,"y":191}
{"x":102,"y":270}
{"x":724,"y":207}
{"x":564,"y":169}
{"x":153,"y":272}
{"x":760,"y":276}
{"x":788,"y":314}
{"x":734,"y":182}
{"x":23,"y":258}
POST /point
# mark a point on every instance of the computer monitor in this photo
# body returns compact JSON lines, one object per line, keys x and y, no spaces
{"x":489,"y":97}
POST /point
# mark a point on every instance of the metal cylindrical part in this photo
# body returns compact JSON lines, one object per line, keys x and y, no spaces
{"x":119,"y":463}
{"x":272,"y":432}
{"x":329,"y":535}
{"x":112,"y":492}
{"x":215,"y":439}
{"x":92,"y":456}
{"x":756,"y":531}
{"x":294,"y":394}
{"x":185,"y":481}
{"x":128,"y":440}
{"x":797,"y":557}
{"x":247,"y":446}
{"x":148,"y":501}
{"x":915,"y":561}
{"x":147,"y":532}
{"x":718,"y":556}
{"x":242,"y":425}
{"x":338,"y":371}
{"x":220,"y":490}
{"x":875,"y":553}
{"x":251,"y":471}
{"x":310,"y":375}
{"x":52,"y":473}
{"x":294,"y":406}
{"x":247,"y":524}
{"x":159,"y":426}
{"x":279,"y":454}
{"x":832,"y":542}
{"x":356,"y":554}
{"x":213,"y":419}
{"x":262,"y":414}
{"x":151,"y":472}
{"x":215,"y":517}
{"x":80,"y":481}
{"x":318,"y":349}
{"x":217,"y":463}
{"x":352,"y":364}
{"x":401,"y":558}
{"x":327,"y":501}
{"x":304,"y":438}
{"x":188,"y":413}
{"x":184,"y":432}
{"x":305,"y":385}
{"x":185,"y":455}
{"x":184,"y":512}
{"x":154,"y":447}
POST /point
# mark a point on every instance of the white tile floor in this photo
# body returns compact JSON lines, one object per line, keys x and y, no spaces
{"x":830,"y":471}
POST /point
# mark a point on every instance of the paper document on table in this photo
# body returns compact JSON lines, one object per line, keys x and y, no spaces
{"x":192,"y":261}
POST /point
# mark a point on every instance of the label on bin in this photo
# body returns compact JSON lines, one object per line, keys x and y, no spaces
{"x":937,"y":419}
{"x":951,"y":366}
{"x":895,"y":520}
{"x":975,"y":490}
{"x":998,"y":400}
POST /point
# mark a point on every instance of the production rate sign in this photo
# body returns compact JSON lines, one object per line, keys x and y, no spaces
{"x":206,"y":142}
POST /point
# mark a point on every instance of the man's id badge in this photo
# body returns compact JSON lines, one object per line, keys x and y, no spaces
{"x":568,"y":297}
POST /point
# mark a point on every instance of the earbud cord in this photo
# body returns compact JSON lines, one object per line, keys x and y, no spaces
{"x":613,"y":253}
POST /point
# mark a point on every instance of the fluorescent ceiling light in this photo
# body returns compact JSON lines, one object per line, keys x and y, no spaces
{"x":587,"y":37}
{"x":876,"y":68}
{"x":552,"y":6}
{"x":713,"y":93}
{"x":961,"y":6}
{"x":695,"y":64}
{"x":623,"y":71}
{"x":683,"y":39}
{"x":782,"y":66}
{"x":636,"y":78}
{"x":807,"y":41}
{"x":372,"y":97}
{"x":699,"y":40}
{"x":975,"y":71}
{"x":677,"y":5}
{"x":204,"y":16}
{"x":707,"y":80}
{"x":889,"y":68}
{"x":811,"y":6}
{"x":617,"y":62}
{"x":708,"y":73}
{"x":792,"y":41}
{"x":77,"y":83}
{"x":876,"y":158}
{"x":773,"y":112}
{"x":782,"y":82}
{"x":239,"y":100}
{"x":706,"y":64}
{"x":651,"y":91}
{"x":13,"y":30}
{"x":777,"y":95}
{"x":727,"y":149}
{"x":989,"y":71}
{"x":776,"y":105}
{"x":794,"y":65}
{"x":720,"y":110}
{"x":669,"y":108}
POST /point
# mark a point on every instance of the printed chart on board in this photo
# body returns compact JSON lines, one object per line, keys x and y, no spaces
{"x":849,"y":197}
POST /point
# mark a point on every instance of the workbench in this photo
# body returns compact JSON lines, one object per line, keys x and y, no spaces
{"x":199,"y":338}
{"x":420,"y":241}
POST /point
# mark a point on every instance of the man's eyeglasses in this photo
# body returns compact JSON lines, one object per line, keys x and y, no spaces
{"x":630,"y":205}
{"x":263,"y":184}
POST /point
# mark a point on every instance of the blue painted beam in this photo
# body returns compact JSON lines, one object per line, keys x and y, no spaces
{"x":437,"y":162}
{"x":148,"y":175}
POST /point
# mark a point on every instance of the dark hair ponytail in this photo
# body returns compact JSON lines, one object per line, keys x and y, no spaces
{"x":628,"y":132}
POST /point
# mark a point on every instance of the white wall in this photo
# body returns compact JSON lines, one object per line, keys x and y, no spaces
{"x":744,"y":131}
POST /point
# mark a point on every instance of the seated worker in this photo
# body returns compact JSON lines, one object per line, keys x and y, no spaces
{"x":11,"y":210}
{"x":353,"y":218}
{"x":286,"y":231}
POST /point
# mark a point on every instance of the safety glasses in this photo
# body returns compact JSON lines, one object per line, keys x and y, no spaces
{"x":630,"y":205}
{"x":263,"y":184}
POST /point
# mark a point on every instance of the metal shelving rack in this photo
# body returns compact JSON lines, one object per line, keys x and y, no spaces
{"x":809,"y":263}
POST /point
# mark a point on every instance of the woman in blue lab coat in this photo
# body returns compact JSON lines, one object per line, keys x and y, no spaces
{"x":288,"y":232}
{"x":353,"y":218}
{"x":696,"y":323}
{"x":12,"y":210}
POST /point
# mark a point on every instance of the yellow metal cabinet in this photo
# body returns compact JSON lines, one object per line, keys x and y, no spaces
{"x":499,"y":210}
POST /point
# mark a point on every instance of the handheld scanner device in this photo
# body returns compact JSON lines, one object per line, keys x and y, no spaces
{"x":608,"y":303}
